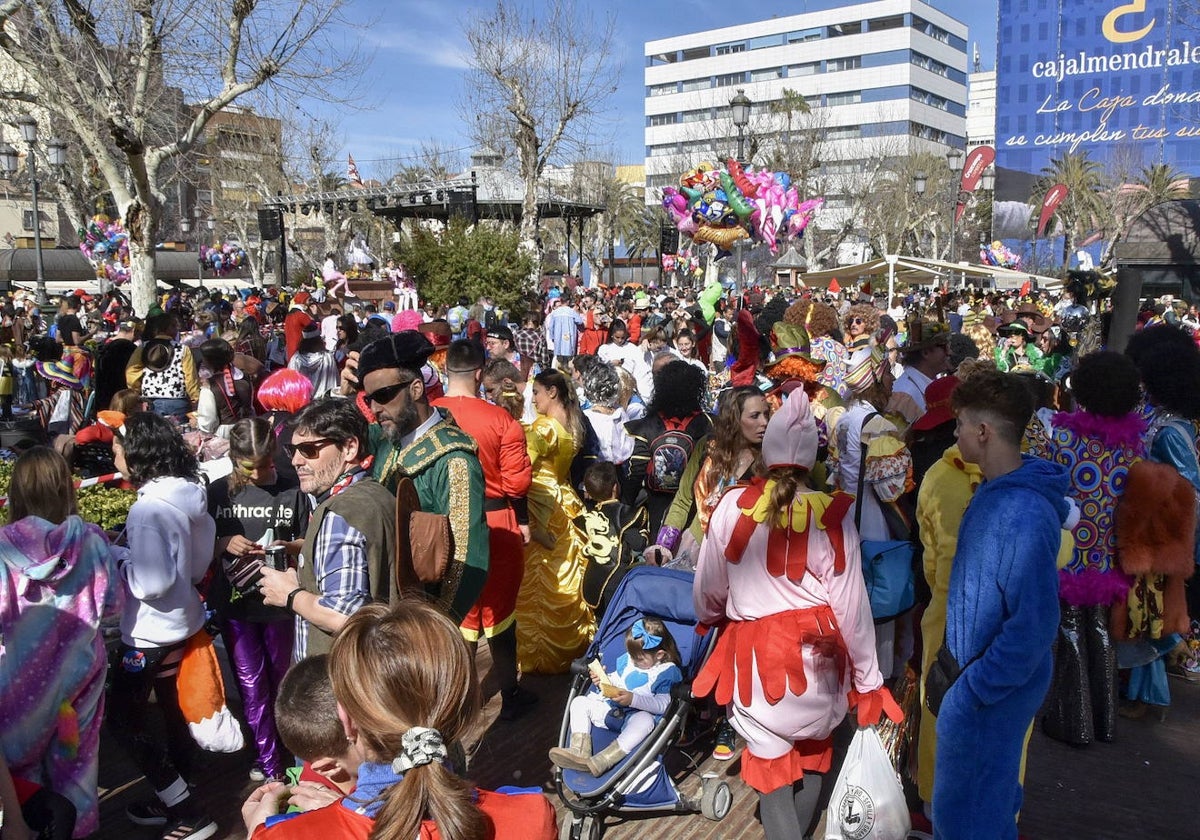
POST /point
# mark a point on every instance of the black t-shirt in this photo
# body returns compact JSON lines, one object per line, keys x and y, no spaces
{"x":283,"y":509}
{"x":68,"y":325}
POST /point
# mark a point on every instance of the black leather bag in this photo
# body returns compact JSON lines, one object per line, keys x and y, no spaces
{"x":943,"y":672}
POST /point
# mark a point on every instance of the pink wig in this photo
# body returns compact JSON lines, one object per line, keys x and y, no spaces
{"x":285,"y":390}
{"x":408,"y":319}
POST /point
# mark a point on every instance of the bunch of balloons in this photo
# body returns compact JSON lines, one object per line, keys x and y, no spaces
{"x":687,"y":264}
{"x":220,"y":261}
{"x":999,"y":255}
{"x":723,"y":205}
{"x":105,"y":243}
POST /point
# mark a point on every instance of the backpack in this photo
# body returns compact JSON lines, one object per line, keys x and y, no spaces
{"x":615,"y":536}
{"x":669,"y":455}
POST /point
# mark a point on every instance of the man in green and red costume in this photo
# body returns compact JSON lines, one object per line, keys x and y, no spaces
{"x":411,"y":437}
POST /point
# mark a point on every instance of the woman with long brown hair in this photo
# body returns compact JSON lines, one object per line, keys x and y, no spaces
{"x":555,"y":622}
{"x":779,"y":572}
{"x":731,"y":454}
{"x":407,"y":788}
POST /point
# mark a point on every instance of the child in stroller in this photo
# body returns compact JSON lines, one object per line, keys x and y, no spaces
{"x":635,"y":694}
{"x":638,"y":781}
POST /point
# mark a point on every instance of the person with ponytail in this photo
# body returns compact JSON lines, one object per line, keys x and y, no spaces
{"x":780,"y":573}
{"x":255,"y":507}
{"x":407,"y":788}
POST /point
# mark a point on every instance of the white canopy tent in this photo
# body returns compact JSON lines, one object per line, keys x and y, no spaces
{"x":924,"y":272}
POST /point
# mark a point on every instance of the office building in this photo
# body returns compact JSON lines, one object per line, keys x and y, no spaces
{"x":880,"y":80}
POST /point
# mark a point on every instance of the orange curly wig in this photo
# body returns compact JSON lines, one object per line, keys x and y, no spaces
{"x":818,"y":318}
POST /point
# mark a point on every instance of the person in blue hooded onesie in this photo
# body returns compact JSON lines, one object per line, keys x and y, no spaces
{"x":1002,"y":613}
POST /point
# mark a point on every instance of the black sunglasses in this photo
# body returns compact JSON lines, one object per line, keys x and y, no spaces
{"x":309,"y":449}
{"x":387,"y":393}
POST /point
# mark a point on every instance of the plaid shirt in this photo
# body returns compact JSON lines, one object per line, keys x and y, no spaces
{"x":340,"y":565}
{"x":531,"y":344}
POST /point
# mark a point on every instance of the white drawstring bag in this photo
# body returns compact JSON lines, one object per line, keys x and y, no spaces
{"x":867,"y":801}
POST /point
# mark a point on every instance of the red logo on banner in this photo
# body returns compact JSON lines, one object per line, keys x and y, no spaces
{"x":1054,"y":197}
{"x":980,"y":158}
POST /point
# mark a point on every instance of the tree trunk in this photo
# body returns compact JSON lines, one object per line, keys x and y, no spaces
{"x":528,"y":230}
{"x":142,"y":281}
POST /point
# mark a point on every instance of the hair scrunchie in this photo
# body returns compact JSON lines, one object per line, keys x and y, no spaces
{"x":419,"y":746}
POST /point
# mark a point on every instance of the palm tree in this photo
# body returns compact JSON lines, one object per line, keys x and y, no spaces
{"x":623,"y":217}
{"x":1084,"y":209}
{"x":790,"y":105}
{"x":1153,"y":185}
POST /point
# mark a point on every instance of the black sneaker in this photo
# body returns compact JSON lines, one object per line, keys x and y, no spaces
{"x":147,"y":812}
{"x":190,"y":828}
{"x":726,"y":742}
{"x":516,"y":702}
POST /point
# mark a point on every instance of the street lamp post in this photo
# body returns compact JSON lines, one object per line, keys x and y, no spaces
{"x":739,"y":107}
{"x":56,"y":151}
{"x":210,"y":223}
{"x":954,"y":159}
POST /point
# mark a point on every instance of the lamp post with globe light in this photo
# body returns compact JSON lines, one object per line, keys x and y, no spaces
{"x":739,"y":108}
{"x":56,"y":153}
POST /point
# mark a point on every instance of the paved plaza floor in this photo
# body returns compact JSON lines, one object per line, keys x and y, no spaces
{"x":1143,"y":785}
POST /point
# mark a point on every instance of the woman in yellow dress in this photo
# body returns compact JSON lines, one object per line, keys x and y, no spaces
{"x":555,"y":623}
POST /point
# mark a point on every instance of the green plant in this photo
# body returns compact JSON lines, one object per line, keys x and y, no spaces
{"x":108,"y":507}
{"x":472,"y":261}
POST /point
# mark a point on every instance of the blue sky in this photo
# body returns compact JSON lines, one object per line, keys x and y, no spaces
{"x":415,"y":80}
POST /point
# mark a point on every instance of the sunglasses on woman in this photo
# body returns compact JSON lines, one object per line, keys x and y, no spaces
{"x":308,"y":450}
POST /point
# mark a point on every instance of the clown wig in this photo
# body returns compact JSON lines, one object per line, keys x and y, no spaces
{"x":285,"y":390}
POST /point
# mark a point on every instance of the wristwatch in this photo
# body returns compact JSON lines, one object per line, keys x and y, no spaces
{"x":292,"y":597}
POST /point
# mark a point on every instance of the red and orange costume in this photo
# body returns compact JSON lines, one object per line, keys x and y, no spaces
{"x":507,"y":473}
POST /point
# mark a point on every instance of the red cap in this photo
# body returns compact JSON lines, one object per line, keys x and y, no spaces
{"x":301,"y":298}
{"x":81,"y":294}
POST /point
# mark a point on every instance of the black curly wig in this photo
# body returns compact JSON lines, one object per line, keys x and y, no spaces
{"x":1106,"y":383}
{"x":1171,"y":376}
{"x":679,"y":388}
{"x":1162,"y":335}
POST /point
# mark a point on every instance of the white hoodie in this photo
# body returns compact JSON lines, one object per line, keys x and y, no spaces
{"x":170,"y":537}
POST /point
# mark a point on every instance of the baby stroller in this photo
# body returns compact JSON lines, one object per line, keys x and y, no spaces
{"x":639,"y":783}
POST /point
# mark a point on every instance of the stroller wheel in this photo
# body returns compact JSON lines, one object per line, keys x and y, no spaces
{"x":581,"y":828}
{"x":715,"y":798}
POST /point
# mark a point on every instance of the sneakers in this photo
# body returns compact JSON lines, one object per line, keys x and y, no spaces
{"x":516,"y":702}
{"x":726,"y":742}
{"x":190,"y":828}
{"x":257,"y":774}
{"x":147,"y":812}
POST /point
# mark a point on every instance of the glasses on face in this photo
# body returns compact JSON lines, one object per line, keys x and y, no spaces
{"x":309,"y":449}
{"x":857,"y":321}
{"x":384,"y":395}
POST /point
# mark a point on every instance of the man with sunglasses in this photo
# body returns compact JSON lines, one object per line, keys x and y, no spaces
{"x":348,"y":548}
{"x":412,"y":438}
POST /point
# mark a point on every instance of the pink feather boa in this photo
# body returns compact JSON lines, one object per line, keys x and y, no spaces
{"x":1127,"y":431}
{"x":1092,"y":587}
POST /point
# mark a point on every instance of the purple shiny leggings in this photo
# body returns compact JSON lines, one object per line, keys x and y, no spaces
{"x":260,"y":653}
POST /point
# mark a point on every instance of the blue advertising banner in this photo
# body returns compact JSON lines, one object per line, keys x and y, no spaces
{"x":1117,"y":80}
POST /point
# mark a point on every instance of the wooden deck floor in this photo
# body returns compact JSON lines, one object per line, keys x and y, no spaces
{"x":1142,"y":786}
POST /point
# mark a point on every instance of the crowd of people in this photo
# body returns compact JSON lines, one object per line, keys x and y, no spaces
{"x":354,"y":494}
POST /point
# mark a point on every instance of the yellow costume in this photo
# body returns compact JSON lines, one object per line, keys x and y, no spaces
{"x":554,"y":623}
